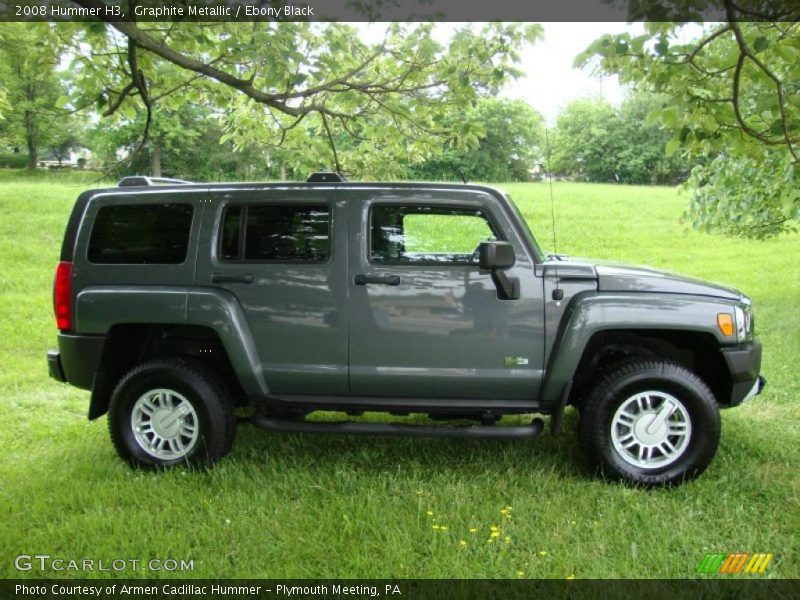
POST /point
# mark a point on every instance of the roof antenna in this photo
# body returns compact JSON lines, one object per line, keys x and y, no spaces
{"x":558,"y":293}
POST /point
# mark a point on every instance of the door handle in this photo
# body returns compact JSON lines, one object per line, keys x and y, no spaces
{"x":377,"y":279}
{"x":219,"y":278}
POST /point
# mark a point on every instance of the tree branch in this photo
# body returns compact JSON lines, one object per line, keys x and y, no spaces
{"x":746,"y":53}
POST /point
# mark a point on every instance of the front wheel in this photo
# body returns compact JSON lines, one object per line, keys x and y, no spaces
{"x":651,"y":423}
{"x":171,"y":411}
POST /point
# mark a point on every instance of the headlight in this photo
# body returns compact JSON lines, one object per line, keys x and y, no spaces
{"x":744,"y":320}
{"x":741,"y":331}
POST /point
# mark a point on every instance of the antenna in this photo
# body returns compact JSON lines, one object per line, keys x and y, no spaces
{"x":558,"y":293}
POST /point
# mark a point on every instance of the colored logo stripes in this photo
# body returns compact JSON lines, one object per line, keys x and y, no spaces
{"x":735,"y":563}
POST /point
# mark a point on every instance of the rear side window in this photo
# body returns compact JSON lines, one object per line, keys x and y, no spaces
{"x":141,"y":234}
{"x":276,"y":233}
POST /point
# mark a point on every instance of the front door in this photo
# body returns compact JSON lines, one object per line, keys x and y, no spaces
{"x":424,"y":320}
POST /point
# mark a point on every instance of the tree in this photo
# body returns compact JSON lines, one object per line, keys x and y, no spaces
{"x":302,"y":86}
{"x":61,"y":146}
{"x":642,"y":155}
{"x":586,"y":143}
{"x":3,"y":104}
{"x":33,"y":88}
{"x":510,"y":146}
{"x":733,"y":101}
{"x":190,"y":146}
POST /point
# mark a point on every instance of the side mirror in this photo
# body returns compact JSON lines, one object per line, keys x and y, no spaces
{"x":494,"y":257}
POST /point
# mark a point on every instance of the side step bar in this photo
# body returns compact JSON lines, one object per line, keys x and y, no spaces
{"x":366,"y":428}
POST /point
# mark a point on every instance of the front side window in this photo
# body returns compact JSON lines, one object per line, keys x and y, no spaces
{"x":276,"y":233}
{"x":427,"y":235}
{"x":141,"y":234}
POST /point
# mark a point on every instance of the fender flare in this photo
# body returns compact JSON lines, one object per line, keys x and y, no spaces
{"x":593,"y":312}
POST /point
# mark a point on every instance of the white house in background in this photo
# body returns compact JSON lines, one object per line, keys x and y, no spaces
{"x":75,"y":158}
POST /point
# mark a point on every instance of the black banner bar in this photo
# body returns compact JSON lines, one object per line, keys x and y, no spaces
{"x":405,"y":589}
{"x":393,"y":10}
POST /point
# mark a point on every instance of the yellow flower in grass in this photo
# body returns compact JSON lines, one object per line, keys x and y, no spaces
{"x":570,"y":577}
{"x":494,"y":534}
{"x":473,"y":529}
{"x":520,"y":574}
{"x":542,"y":553}
{"x":463,"y":543}
{"x":507,"y":539}
{"x":429,"y":513}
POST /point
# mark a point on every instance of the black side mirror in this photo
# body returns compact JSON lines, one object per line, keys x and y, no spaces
{"x":494,"y":257}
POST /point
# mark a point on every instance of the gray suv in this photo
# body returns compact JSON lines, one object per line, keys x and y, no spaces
{"x":178,"y":304}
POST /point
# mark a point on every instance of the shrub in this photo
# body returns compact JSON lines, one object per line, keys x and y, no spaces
{"x":13,"y":161}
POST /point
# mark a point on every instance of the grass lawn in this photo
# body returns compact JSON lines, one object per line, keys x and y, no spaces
{"x":292,"y":506}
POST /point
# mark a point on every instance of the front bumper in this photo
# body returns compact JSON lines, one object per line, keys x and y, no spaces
{"x":744,"y":365}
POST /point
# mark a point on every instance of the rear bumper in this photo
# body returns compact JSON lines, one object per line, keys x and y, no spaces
{"x":744,"y":365}
{"x":77,"y":359}
{"x":54,"y":366}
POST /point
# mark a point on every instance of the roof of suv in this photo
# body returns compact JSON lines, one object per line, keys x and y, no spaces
{"x":294,"y":185}
{"x":78,"y":210}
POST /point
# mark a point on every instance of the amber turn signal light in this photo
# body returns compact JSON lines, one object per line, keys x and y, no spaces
{"x":725,"y":323}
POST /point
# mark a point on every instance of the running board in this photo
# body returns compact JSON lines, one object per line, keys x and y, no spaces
{"x":400,"y":429}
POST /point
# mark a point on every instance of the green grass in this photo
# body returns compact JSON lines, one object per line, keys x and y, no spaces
{"x":313,"y":506}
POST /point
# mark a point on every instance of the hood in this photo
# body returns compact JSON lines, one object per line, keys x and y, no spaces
{"x":615,"y":277}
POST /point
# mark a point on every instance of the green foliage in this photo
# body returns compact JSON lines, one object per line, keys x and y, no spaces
{"x":733,"y":102}
{"x":189,"y":144}
{"x":754,"y":197}
{"x":307,"y":88}
{"x":13,"y":161}
{"x":586,"y":142}
{"x":595,"y":141}
{"x":3,"y":102}
{"x":28,"y":69}
{"x":511,"y":143}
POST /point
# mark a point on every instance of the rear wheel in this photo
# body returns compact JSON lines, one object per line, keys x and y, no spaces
{"x":171,"y":411}
{"x":651,"y":423}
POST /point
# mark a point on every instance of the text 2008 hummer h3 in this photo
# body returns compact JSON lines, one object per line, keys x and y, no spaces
{"x":179,"y":303}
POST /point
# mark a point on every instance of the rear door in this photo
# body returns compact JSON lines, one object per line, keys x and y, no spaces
{"x":424,"y":320}
{"x":273,"y":250}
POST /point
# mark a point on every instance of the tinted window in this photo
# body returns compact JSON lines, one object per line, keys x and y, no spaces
{"x":421,"y":234}
{"x":141,"y":234}
{"x":231,"y":227}
{"x":276,"y":232}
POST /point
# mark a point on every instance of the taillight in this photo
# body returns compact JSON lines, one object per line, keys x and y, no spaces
{"x":62,"y":295}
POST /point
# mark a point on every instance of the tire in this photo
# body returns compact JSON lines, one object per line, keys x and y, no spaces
{"x":184,"y":413}
{"x":651,"y":423}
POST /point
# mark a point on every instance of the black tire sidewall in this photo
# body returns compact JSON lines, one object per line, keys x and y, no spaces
{"x":676,"y":381}
{"x":187,"y":383}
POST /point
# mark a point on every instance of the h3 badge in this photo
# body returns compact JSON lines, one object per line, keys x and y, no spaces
{"x":515,"y":361}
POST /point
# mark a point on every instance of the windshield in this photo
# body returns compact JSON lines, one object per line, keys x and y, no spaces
{"x":525,"y":229}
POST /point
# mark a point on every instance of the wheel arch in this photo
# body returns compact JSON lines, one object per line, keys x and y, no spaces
{"x":669,"y":326}
{"x":129,"y":344}
{"x":698,"y":351}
